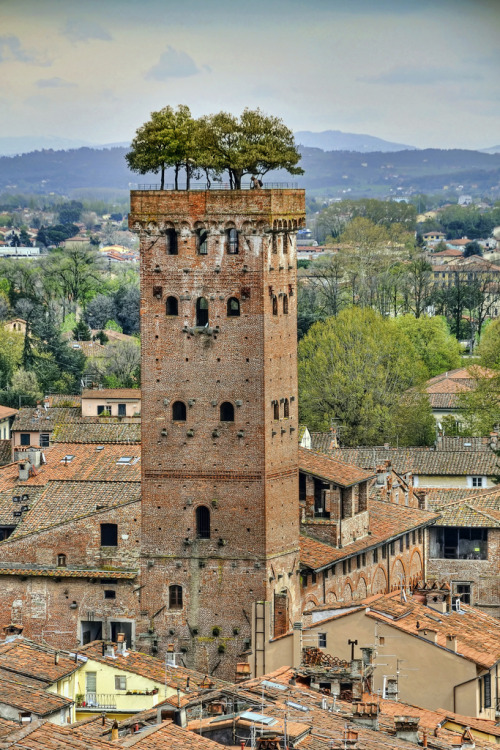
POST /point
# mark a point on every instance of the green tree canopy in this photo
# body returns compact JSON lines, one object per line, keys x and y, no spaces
{"x":434,"y":344}
{"x":254,"y":143}
{"x":358,"y":368}
{"x":168,"y":139}
{"x":481,"y":405}
{"x":489,"y":347}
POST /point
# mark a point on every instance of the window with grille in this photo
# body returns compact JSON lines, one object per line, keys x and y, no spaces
{"x":232,"y":241}
{"x":175,"y":597}
{"x":202,"y":522}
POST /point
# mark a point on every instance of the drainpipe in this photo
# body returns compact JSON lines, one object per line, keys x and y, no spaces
{"x":324,"y":588}
{"x":466,"y":682}
{"x":388,"y":548}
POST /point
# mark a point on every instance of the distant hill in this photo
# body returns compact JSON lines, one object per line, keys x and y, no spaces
{"x":335,"y":173}
{"x":491,"y":150}
{"x":15,"y":146}
{"x":336,"y":140}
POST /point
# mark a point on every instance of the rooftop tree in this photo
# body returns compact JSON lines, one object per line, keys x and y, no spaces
{"x":166,"y":140}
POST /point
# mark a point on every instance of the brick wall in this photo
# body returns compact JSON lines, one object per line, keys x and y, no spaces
{"x":244,"y":472}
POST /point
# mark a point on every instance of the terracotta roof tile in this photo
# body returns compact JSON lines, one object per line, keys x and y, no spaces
{"x":27,"y":658}
{"x":168,"y":736}
{"x":89,"y":463}
{"x":478,"y":634}
{"x":98,"y":432}
{"x":134,"y":393}
{"x":36,"y":419}
{"x":26,"y":698}
{"x":482,"y":510}
{"x":48,"y":736}
{"x":62,"y":502}
{"x":5,"y":452}
{"x":6,"y":411}
{"x":386,"y":521}
{"x":325,"y":467}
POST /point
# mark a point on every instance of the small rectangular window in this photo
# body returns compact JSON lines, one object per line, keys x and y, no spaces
{"x":401,"y":544}
{"x":122,"y":410}
{"x":25,"y":438}
{"x":313,"y":577}
{"x":384,"y":550}
{"x":109,"y":535}
{"x":321,"y":640}
{"x":109,"y":594}
{"x":407,"y":541}
{"x":104,"y":411}
{"x":44,"y":440}
{"x":477,"y":481}
{"x":393,"y":548}
{"x":375,"y":555}
{"x":120,"y":682}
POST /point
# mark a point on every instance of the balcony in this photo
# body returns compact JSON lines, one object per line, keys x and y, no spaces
{"x":96,"y":701}
{"x":214,"y":186}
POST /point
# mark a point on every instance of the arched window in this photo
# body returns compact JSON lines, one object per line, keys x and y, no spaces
{"x":179,"y":411}
{"x":232,"y":241}
{"x":226,"y":412}
{"x":175,"y":597}
{"x":201,"y":312}
{"x":172,"y":248}
{"x":172,"y":306}
{"x":276,"y":409}
{"x":286,"y":409}
{"x":275,"y":305}
{"x":285,"y":304}
{"x":202,"y":522}
{"x":201,"y":241}
{"x":61,"y":561}
{"x":233,"y":307}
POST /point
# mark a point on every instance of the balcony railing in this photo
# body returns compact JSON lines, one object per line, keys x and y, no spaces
{"x":214,"y":186}
{"x":97,"y":700}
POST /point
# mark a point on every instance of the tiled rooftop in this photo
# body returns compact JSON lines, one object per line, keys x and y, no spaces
{"x":5,"y":452}
{"x":168,"y":736}
{"x":150,"y":667}
{"x":92,"y":463}
{"x":32,"y":660}
{"x":6,"y":411}
{"x":421,"y":461}
{"x":478,"y":634}
{"x":386,"y":522}
{"x":99,"y":432}
{"x":68,"y":501}
{"x":26,"y":698}
{"x":331,"y":470}
{"x":479,"y":510}
{"x":39,"y":419}
{"x":47,"y":736}
{"x":117,"y":393}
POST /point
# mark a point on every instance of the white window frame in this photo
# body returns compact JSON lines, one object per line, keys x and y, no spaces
{"x":472,"y":482}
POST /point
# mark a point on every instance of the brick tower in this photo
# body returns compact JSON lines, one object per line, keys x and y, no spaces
{"x":220,"y":513}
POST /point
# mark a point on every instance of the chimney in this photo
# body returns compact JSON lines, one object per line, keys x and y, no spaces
{"x":114,"y":731}
{"x":35,"y":456}
{"x":351,"y":739}
{"x":407,"y":728}
{"x":121,"y":644}
{"x":467,"y":740}
{"x":367,"y":655}
{"x":437,"y":600}
{"x":365,"y":714}
{"x":24,"y":470}
{"x":493,"y":440}
{"x":429,"y":634}
{"x":391,"y":689}
{"x":109,"y":651}
{"x":451,"y":642}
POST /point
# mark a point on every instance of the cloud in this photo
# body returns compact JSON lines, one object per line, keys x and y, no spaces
{"x":11,"y":49}
{"x":80,"y":30}
{"x":54,"y":83}
{"x":406,"y":75}
{"x":173,"y":64}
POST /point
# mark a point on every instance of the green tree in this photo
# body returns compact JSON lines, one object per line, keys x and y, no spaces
{"x":472,"y":248}
{"x":355,"y":368}
{"x":433,"y":342}
{"x":480,"y":406}
{"x":489,"y":346}
{"x":81,"y":331}
{"x":254,"y":143}
{"x":168,"y":139}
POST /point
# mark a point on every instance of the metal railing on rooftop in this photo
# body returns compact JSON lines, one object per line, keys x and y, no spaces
{"x":97,"y":700}
{"x":215,"y":186}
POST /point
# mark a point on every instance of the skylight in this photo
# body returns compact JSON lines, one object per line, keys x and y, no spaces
{"x":125,"y":460}
{"x":297,"y":706}
{"x":273,"y":685}
{"x":67,"y":459}
{"x":258,"y":718}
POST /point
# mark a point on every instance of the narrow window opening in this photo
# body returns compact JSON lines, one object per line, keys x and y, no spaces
{"x":109,"y":535}
{"x":276,"y":408}
{"x":226,"y":412}
{"x":285,"y":304}
{"x":286,"y":409}
{"x":61,"y":561}
{"x":172,"y":306}
{"x":232,"y":242}
{"x":233,"y":307}
{"x":201,"y":312}
{"x":175,"y":597}
{"x":122,"y":410}
{"x":275,"y":305}
{"x":201,"y":241}
{"x":158,"y":292}
{"x":172,"y":248}
{"x":202,"y":522}
{"x":179,"y":411}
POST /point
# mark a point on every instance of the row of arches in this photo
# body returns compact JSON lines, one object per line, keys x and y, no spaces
{"x":179,"y":411}
{"x":233,"y":309}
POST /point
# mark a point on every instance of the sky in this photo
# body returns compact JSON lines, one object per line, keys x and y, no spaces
{"x":419,"y":72}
